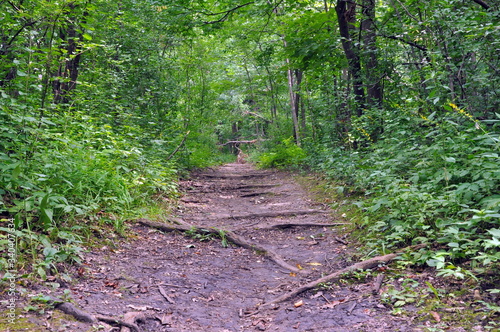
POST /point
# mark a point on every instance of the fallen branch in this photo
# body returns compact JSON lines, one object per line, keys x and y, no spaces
{"x":239,"y":142}
{"x":229,"y":235}
{"x":377,"y":284}
{"x":364,"y":265}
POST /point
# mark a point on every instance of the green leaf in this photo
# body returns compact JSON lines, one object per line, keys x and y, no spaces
{"x":495,"y":232}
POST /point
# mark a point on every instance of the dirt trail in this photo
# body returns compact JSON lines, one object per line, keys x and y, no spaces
{"x":182,"y":283}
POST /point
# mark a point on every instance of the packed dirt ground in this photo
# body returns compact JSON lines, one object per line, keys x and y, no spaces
{"x":199,"y":280}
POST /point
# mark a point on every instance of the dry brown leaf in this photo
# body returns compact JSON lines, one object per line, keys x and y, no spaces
{"x":436,"y":316}
{"x":298,"y":304}
{"x":300,"y":267}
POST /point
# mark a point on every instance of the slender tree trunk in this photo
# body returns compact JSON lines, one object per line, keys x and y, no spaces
{"x":374,"y":90}
{"x":346,"y":16}
{"x":69,"y":70}
{"x":293,"y":104}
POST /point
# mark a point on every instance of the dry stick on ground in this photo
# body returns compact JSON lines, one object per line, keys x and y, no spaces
{"x":364,"y":265}
{"x":378,"y":284}
{"x":230,"y":236}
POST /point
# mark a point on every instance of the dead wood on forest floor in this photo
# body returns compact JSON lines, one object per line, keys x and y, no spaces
{"x":229,"y":235}
{"x":364,"y":265}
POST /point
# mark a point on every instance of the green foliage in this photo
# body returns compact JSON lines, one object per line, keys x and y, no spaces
{"x":438,"y":188}
{"x":286,"y":154}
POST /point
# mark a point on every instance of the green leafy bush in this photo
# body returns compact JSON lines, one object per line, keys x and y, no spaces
{"x":282,"y":155}
{"x":441,"y":187}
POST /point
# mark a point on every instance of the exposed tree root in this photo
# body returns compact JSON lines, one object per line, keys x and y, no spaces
{"x":233,"y":176}
{"x":82,"y":316}
{"x":296,"y":224}
{"x":257,"y":194}
{"x":252,"y":186}
{"x":267,"y":214}
{"x":364,"y":265}
{"x":229,"y":235}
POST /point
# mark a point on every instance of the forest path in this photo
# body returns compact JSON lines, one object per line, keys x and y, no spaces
{"x":194,"y":283}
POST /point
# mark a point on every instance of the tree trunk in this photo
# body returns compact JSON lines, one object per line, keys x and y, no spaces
{"x":67,"y":73}
{"x":374,"y":90}
{"x":346,"y":16}
{"x":294,"y":105}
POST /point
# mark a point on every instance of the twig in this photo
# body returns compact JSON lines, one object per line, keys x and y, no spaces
{"x":178,"y":147}
{"x":165,"y":295}
{"x":378,"y":283}
{"x":341,"y":241}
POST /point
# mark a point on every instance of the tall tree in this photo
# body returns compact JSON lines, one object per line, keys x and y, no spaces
{"x":346,"y":17}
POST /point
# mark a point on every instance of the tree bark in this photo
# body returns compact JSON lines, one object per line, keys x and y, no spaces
{"x":292,"y":83}
{"x":67,"y":73}
{"x":374,"y":90}
{"x":346,"y":16}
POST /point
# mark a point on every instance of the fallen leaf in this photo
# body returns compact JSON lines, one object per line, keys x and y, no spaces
{"x":314,"y":264}
{"x":300,"y":238}
{"x":436,"y":316}
{"x":300,"y":267}
{"x":293,"y":274}
{"x":298,"y":304}
{"x":332,"y":304}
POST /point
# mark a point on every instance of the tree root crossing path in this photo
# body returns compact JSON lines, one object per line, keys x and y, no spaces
{"x":249,"y":250}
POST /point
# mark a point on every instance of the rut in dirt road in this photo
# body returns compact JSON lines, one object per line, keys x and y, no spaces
{"x":190,"y":281}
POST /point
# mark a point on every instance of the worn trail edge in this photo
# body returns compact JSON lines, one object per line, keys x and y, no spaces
{"x":177,"y":275}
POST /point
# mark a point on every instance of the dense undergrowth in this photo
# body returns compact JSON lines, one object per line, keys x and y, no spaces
{"x":441,"y":187}
{"x":66,"y":177}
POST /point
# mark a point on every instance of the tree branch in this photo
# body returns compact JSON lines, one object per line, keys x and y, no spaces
{"x":420,"y":47}
{"x":482,"y":4}
{"x":226,"y":13}
{"x":178,"y":147}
